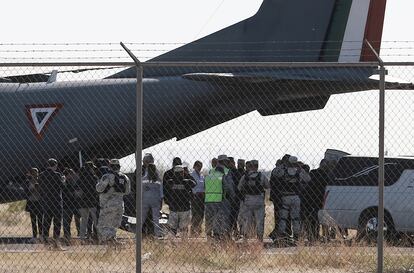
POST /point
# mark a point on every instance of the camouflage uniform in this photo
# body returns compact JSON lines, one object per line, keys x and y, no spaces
{"x":111,"y":203}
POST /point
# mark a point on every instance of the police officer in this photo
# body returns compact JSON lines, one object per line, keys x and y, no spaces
{"x":253,"y":185}
{"x":111,"y":188}
{"x":50,"y":189}
{"x":289,"y":182}
{"x":146,"y":160}
{"x":148,"y":224}
{"x":152,"y":195}
{"x":219,"y":190}
{"x":275,"y":197}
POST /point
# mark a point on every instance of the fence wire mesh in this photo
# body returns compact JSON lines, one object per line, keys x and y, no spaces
{"x":294,"y":188}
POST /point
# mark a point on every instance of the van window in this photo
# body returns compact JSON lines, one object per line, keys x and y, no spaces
{"x":363,"y":171}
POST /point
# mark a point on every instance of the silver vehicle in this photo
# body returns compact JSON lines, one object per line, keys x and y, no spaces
{"x":351,"y":197}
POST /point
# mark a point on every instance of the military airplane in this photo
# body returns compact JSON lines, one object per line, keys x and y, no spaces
{"x":43,"y":118}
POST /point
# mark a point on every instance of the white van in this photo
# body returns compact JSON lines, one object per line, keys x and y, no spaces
{"x":351,"y":197}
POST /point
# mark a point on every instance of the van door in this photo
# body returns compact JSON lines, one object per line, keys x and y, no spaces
{"x":409,"y":200}
{"x":399,"y":199}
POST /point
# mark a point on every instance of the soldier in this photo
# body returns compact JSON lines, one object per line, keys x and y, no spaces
{"x":253,"y":213}
{"x":111,"y":188}
{"x":219,"y":190}
{"x":289,"y":183}
{"x":50,"y":189}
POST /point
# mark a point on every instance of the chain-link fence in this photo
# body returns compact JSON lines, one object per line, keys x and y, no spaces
{"x":247,"y":167}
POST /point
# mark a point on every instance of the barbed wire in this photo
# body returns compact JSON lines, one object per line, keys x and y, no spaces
{"x":192,"y":50}
{"x":183,"y":43}
{"x":183,"y":57}
{"x":146,"y":51}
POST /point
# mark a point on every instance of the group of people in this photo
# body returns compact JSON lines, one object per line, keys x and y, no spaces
{"x":93,"y":197}
{"x":231,"y":198}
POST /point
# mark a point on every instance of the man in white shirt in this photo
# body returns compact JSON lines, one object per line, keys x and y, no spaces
{"x":197,"y":202}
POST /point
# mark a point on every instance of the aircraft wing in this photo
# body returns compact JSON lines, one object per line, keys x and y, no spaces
{"x":353,"y":76}
{"x":45,"y":77}
{"x":298,"y":89}
{"x":25,"y":78}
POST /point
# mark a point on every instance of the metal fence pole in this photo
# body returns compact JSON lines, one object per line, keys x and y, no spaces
{"x":381,"y":161}
{"x":138,"y":161}
{"x":380,"y":245}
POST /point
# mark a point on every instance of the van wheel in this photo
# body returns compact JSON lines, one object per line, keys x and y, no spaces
{"x":368,"y":227}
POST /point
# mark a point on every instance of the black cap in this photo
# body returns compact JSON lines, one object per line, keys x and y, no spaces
{"x":177,"y":161}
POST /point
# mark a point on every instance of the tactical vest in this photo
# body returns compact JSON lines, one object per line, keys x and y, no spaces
{"x":253,"y":185}
{"x":213,"y":184}
{"x":119,"y":184}
{"x":290,"y":184}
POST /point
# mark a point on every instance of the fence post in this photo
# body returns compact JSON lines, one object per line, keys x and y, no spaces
{"x":138,"y":161}
{"x":381,"y":162}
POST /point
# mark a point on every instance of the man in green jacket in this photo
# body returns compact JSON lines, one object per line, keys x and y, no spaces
{"x":219,"y":191}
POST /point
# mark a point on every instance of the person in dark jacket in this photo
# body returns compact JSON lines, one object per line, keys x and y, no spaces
{"x":33,"y":202}
{"x":234,"y":202}
{"x":313,"y":199}
{"x":289,"y":183}
{"x":70,"y":202}
{"x":178,"y":193}
{"x":168,"y":176}
{"x":170,"y":173}
{"x":102,"y":166}
{"x":50,"y":189}
{"x":275,"y":195}
{"x":253,"y":210}
{"x":89,"y":198}
{"x":148,"y":226}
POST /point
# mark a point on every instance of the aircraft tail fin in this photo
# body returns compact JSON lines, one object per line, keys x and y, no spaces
{"x":294,"y":30}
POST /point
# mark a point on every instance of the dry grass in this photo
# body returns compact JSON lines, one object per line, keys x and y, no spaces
{"x":193,"y":256}
{"x":76,"y":259}
{"x":196,"y":256}
{"x":14,"y":221}
{"x":190,"y":255}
